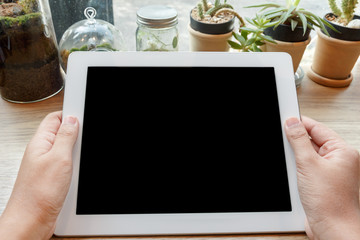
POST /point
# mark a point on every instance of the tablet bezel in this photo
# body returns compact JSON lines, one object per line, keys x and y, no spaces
{"x":70,"y":224}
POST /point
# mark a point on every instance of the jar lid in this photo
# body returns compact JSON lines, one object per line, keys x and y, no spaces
{"x":157,"y":16}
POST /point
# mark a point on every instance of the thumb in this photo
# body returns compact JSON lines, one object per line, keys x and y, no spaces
{"x":299,"y":140}
{"x":67,"y":135}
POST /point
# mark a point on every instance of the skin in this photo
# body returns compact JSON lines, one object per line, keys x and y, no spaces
{"x":43,"y":181}
{"x":328,"y":180}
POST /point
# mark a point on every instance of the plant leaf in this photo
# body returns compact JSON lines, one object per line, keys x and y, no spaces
{"x":265,"y":6}
{"x":270,"y":24}
{"x":267,"y":38}
{"x":274,"y":15}
{"x":250,"y":41}
{"x":244,"y":34}
{"x":240,"y":38}
{"x":234,"y":45}
{"x":286,"y":15}
{"x":250,"y":30}
{"x":303,"y":21}
{"x":273,"y":11}
{"x":294,"y":23}
{"x":256,"y":49}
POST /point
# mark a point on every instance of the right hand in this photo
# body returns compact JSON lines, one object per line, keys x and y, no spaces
{"x":328,"y":180}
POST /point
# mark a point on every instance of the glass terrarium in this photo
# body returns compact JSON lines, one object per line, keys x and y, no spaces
{"x":29,"y":62}
{"x":90,"y":35}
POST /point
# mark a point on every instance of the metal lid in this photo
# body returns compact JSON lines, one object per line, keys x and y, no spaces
{"x":157,"y":16}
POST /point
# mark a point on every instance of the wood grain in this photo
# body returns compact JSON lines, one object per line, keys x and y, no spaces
{"x":337,"y":108}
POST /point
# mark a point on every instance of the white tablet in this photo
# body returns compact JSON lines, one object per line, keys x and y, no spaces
{"x":181,"y":143}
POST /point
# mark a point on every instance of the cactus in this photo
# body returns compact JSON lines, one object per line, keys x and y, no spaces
{"x":347,"y":10}
{"x":203,"y":8}
{"x":242,"y":22}
{"x":212,"y":11}
{"x":205,"y":5}
{"x":200,"y":11}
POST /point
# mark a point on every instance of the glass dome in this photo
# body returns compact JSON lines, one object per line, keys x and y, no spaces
{"x":90,"y":35}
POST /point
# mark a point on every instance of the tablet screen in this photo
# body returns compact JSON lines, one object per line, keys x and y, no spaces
{"x":167,"y":140}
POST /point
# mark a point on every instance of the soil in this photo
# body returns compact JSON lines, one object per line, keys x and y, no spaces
{"x":27,"y":84}
{"x":335,"y":20}
{"x":29,"y":63}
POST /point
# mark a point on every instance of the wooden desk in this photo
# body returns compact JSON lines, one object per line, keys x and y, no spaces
{"x":337,"y":108}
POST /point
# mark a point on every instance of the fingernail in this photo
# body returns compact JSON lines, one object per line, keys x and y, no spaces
{"x":70,"y":120}
{"x":292,"y":122}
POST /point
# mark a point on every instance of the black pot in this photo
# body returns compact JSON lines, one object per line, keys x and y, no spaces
{"x":284,"y":33}
{"x":210,"y":28}
{"x":347,"y":34}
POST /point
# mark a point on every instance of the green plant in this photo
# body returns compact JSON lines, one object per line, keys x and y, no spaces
{"x":213,"y":10}
{"x":204,"y":8}
{"x":251,"y":39}
{"x":292,"y":15}
{"x":346,"y":13}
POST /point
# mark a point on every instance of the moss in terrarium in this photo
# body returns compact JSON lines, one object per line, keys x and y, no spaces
{"x":65,"y":53}
{"x":18,"y":21}
{"x":88,"y":48}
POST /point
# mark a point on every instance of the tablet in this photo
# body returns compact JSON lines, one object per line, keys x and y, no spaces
{"x":181,"y":143}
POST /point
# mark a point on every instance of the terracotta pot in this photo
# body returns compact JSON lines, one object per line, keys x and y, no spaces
{"x":208,"y":42}
{"x":210,"y":37}
{"x":295,"y":49}
{"x":333,"y":61}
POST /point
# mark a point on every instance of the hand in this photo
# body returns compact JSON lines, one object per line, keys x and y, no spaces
{"x":43,"y":181}
{"x":328,"y":180}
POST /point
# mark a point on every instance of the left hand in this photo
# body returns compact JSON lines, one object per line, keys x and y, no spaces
{"x":43,"y":181}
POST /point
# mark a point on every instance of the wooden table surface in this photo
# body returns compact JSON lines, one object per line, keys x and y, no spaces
{"x":337,"y":108}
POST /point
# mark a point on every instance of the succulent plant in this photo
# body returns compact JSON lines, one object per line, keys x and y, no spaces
{"x":204,"y":8}
{"x":345,"y":13}
{"x":293,"y":15}
{"x":250,"y":39}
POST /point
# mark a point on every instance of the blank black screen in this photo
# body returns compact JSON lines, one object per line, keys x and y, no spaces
{"x":182,"y":140}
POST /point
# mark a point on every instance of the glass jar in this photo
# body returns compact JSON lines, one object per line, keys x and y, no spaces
{"x":157,"y":29}
{"x":29,"y":62}
{"x":90,"y":35}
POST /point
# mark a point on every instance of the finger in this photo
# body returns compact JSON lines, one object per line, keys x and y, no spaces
{"x":67,"y":135}
{"x":44,"y":138}
{"x":319,"y":133}
{"x":50,"y":123}
{"x":299,"y":140}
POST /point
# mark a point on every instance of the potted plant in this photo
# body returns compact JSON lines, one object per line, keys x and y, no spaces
{"x":292,"y":29}
{"x":336,"y":55}
{"x":211,"y":26}
{"x":252,"y":39}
